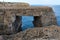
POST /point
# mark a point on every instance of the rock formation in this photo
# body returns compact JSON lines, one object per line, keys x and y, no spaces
{"x":11,"y":20}
{"x":38,"y":33}
{"x":15,"y":4}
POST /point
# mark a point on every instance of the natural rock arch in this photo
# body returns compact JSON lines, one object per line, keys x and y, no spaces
{"x":44,"y":14}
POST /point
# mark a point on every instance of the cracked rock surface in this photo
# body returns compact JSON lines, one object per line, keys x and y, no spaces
{"x":38,"y":33}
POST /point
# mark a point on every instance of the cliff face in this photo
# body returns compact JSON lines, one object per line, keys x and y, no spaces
{"x":11,"y":20}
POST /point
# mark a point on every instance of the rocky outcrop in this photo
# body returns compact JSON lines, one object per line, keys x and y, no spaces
{"x":46,"y":33}
{"x":46,"y":18}
{"x":43,"y":16}
{"x":38,"y":33}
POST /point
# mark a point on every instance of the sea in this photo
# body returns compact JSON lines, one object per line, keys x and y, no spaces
{"x":27,"y":20}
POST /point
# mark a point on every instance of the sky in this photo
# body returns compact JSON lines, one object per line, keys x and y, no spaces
{"x":36,"y":2}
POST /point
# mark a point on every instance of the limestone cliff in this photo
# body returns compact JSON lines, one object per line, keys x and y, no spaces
{"x":11,"y":20}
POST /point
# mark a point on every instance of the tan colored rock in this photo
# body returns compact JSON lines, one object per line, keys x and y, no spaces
{"x":14,"y":4}
{"x":9,"y":11}
{"x":37,"y":33}
{"x":41,"y":33}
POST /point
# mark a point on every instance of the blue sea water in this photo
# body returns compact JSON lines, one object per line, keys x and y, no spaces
{"x":56,"y":9}
{"x":27,"y":20}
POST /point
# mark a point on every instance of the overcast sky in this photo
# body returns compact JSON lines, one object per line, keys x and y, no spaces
{"x":39,"y":2}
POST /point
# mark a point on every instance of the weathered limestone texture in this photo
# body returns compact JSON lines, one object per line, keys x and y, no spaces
{"x":10,"y":12}
{"x":46,"y":18}
{"x":10,"y":4}
{"x":37,"y":33}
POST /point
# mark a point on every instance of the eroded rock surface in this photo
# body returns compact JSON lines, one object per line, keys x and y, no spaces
{"x":38,"y":33}
{"x":10,"y":25}
{"x":14,"y":4}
